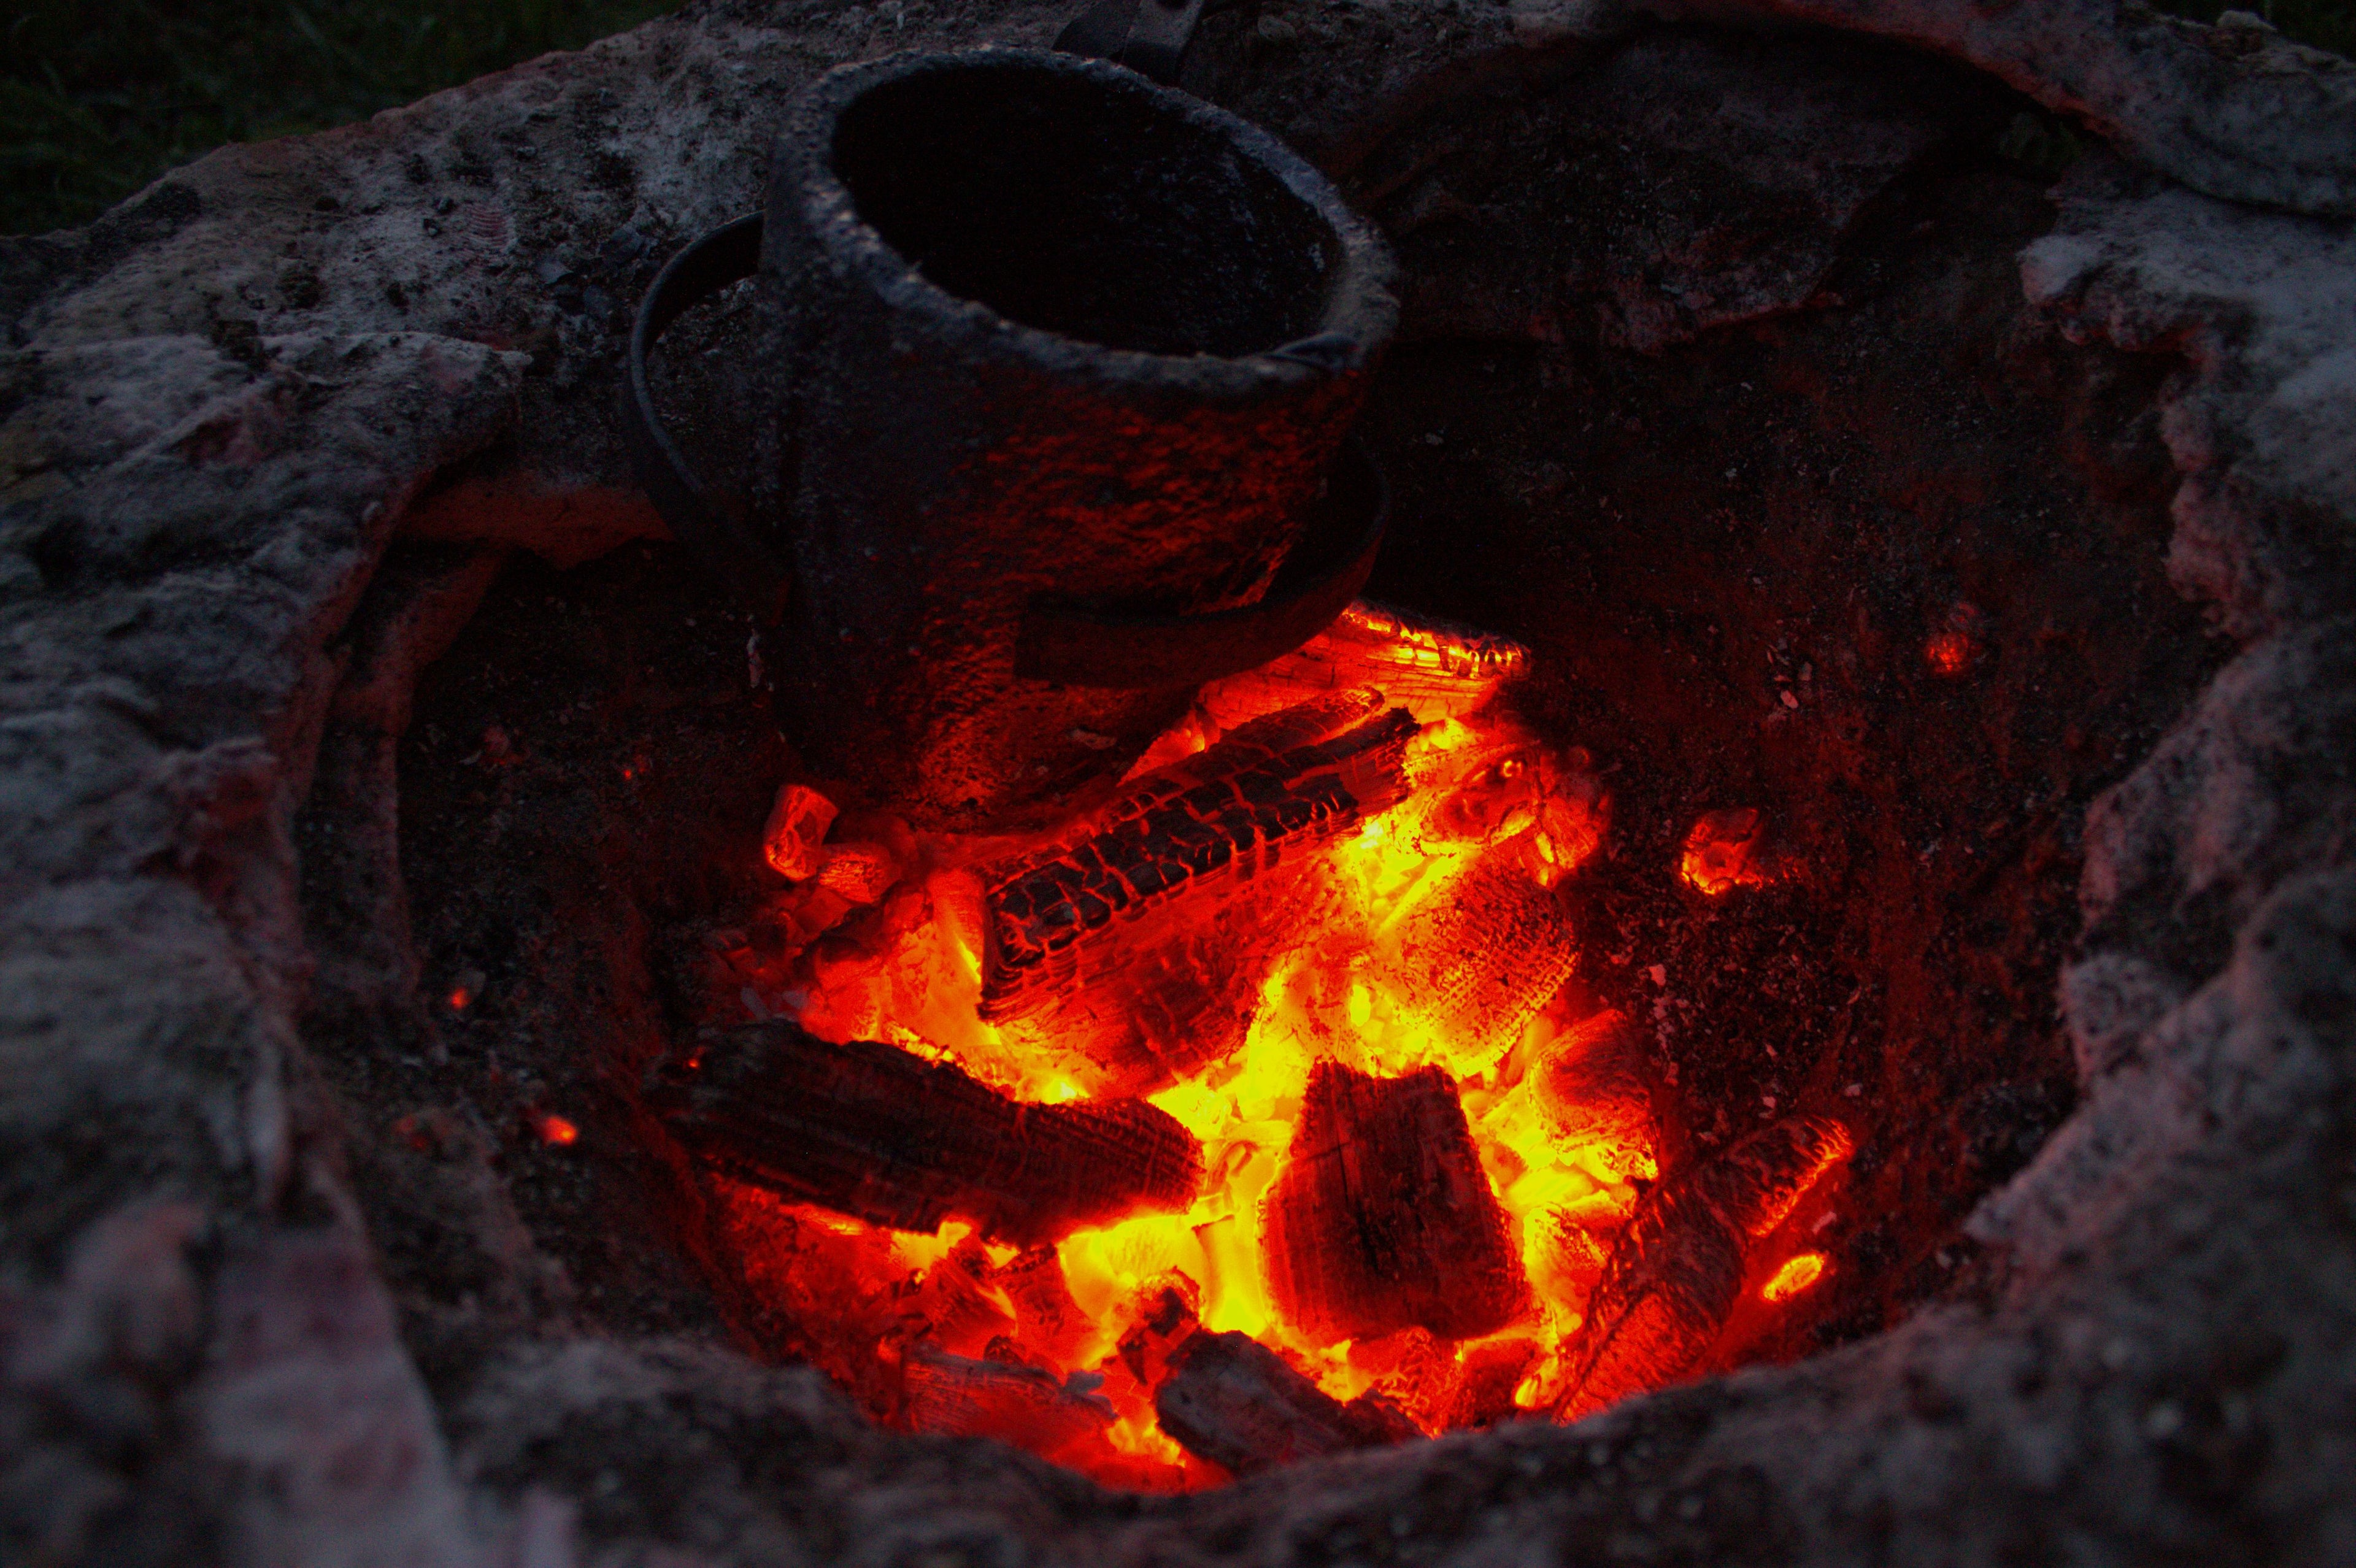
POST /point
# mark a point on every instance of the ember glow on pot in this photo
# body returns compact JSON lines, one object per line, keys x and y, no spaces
{"x":1248,"y":1116}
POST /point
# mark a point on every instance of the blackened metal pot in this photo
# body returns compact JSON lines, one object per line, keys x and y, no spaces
{"x":1058,"y":365}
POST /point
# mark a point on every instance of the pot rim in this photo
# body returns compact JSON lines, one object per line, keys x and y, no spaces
{"x":1360,"y":306}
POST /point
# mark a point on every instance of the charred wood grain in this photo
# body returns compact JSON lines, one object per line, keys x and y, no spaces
{"x":1231,"y":1400}
{"x":1137,"y":941}
{"x":1257,"y":800}
{"x":871,"y":1131}
{"x":1674,"y":1275}
{"x":1434,"y":669}
{"x":1013,"y":1401}
{"x":1382,"y":1217}
{"x":1481,"y":954}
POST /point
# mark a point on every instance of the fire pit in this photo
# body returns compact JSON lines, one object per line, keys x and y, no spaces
{"x":1633,"y":1056}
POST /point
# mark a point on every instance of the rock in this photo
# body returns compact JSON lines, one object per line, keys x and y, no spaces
{"x":2275,"y":125}
{"x":2264,"y":305}
{"x":1637,"y":219}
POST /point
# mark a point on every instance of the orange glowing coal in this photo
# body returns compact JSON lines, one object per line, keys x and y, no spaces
{"x":1793,"y":1276}
{"x":1950,"y":650}
{"x":1726,"y":850}
{"x":1344,"y":1155}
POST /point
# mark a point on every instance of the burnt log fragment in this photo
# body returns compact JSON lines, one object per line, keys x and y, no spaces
{"x":955,"y":1396}
{"x":1674,"y":1275}
{"x":1049,"y":1321}
{"x":1434,"y":669}
{"x":1485,"y":1385}
{"x":1231,"y":1400}
{"x":1595,"y":1091}
{"x":1382,"y":1218}
{"x":871,"y":1131}
{"x":1131,"y":938}
{"x":1481,"y":954}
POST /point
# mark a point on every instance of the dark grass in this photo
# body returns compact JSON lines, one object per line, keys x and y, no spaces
{"x":99,"y":97}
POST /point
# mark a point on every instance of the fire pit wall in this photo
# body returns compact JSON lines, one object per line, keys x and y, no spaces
{"x":1720,"y":390}
{"x":1887,"y":572}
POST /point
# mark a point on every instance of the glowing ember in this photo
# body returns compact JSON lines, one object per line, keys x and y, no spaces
{"x":1796,"y":1274}
{"x":1342,"y":1158}
{"x":1948,"y":652}
{"x":555,"y":1130}
{"x":1724,"y":851}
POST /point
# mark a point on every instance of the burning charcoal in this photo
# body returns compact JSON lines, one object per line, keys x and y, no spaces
{"x":1434,"y":669}
{"x":862,"y":873}
{"x":1676,"y":1270}
{"x":1480,"y":956}
{"x":869,"y":1131}
{"x":1492,"y":1370}
{"x":1758,"y":1182}
{"x":1592,"y":1085}
{"x":1567,"y":1259}
{"x":1123,"y":935}
{"x":797,"y":826}
{"x":951,"y":1396}
{"x":1414,"y":1369}
{"x":1050,"y":1322}
{"x":958,"y":1304}
{"x":1166,"y":1314}
{"x":1382,"y":1217}
{"x":1233,"y":1401}
{"x":1728,"y":850}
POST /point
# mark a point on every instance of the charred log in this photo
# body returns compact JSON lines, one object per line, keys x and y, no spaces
{"x":1100,"y":935}
{"x":1486,"y":1383}
{"x":1011,"y":1401}
{"x":1382,"y":1217}
{"x":1596,"y":1091}
{"x":1242,"y":807}
{"x":1677,"y":1268}
{"x":871,"y":1131}
{"x":1434,"y":669}
{"x":1231,"y":1400}
{"x":1483,"y":954}
{"x":1051,"y":1323}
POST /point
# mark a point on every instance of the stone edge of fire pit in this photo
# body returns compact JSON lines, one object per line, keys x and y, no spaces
{"x":219,"y":410}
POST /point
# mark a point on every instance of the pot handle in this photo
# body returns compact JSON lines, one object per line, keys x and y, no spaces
{"x":750,"y":570}
{"x":1068,"y":643}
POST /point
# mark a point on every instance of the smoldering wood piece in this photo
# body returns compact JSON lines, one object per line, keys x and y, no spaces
{"x":955,"y":1396}
{"x":1415,"y":1369}
{"x":1675,"y":1274}
{"x":1140,"y":940}
{"x":1048,"y":1321}
{"x":1382,"y":1217}
{"x":1231,"y":1400}
{"x":1190,"y":832}
{"x":1167,"y":1313}
{"x":1479,"y":957}
{"x":1434,"y":669}
{"x":1486,"y":1381}
{"x":1595,"y":1088}
{"x":1756,"y":1183}
{"x":871,"y":1131}
{"x":958,"y":1303}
